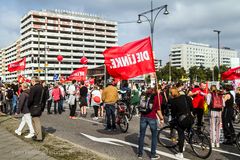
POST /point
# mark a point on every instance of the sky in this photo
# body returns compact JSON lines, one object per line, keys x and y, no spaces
{"x":189,"y":20}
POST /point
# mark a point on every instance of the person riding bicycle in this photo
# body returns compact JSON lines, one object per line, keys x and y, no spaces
{"x":109,"y":98}
{"x":181,"y":108}
{"x":125,"y":92}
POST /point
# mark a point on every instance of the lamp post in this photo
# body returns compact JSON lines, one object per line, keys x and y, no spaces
{"x":153,"y":18}
{"x":38,"y":30}
{"x":218,"y":32}
{"x":45,"y":62}
{"x":170,"y":71}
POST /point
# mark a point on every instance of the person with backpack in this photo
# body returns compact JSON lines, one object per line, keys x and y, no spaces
{"x":150,"y":111}
{"x":23,"y":108}
{"x":9,"y":99}
{"x":215,"y":103}
{"x":95,"y":101}
{"x":56,"y":94}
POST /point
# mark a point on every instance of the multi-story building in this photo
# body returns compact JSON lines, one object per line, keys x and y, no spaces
{"x":46,"y":34}
{"x":197,"y":54}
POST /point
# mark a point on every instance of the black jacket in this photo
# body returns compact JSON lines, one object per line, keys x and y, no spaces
{"x":180,"y":105}
{"x":35,"y":95}
{"x":23,"y":102}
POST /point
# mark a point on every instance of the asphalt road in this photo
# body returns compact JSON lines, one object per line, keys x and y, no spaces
{"x":91,"y":134}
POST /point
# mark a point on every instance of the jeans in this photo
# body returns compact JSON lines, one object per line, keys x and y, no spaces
{"x":110,"y":112}
{"x":14,"y":103}
{"x":144,"y":122}
{"x":59,"y":107}
{"x":26,"y":119}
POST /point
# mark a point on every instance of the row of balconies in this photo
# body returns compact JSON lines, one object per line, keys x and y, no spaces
{"x":70,"y":30}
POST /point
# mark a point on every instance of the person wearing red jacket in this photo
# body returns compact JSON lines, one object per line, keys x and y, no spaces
{"x":56,"y":94}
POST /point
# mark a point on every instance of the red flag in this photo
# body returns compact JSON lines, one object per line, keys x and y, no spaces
{"x":130,"y":60}
{"x":231,"y":74}
{"x":18,"y":65}
{"x":78,"y":74}
{"x":21,"y":79}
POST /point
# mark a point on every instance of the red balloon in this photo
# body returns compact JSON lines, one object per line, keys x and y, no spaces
{"x":84,"y":60}
{"x":59,"y":58}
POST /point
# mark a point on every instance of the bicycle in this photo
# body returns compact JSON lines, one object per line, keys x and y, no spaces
{"x":121,"y":116}
{"x":238,"y":141}
{"x":236,"y":114}
{"x":198,"y":140}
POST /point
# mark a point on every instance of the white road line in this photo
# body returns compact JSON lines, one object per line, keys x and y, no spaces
{"x":216,"y":150}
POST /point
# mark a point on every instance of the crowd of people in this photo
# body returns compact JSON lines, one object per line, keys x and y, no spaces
{"x":176,"y":101}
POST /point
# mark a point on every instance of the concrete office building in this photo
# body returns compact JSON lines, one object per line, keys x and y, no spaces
{"x":59,"y":32}
{"x":197,"y":54}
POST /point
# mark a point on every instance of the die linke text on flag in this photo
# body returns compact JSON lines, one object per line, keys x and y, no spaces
{"x":78,"y":74}
{"x":130,"y":60}
{"x":18,"y":65}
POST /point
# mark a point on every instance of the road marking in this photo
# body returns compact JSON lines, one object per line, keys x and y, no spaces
{"x":112,"y":140}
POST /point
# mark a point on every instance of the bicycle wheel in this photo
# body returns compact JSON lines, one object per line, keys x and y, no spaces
{"x":236,"y":116}
{"x":168,"y":137}
{"x":130,"y":112}
{"x":123,"y":124}
{"x":200,"y":144}
{"x":238,"y":141}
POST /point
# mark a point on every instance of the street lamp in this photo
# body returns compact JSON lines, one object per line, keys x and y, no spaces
{"x":45,"y":61}
{"x":153,"y":18}
{"x":170,"y":71}
{"x":38,"y":30}
{"x":218,"y":32}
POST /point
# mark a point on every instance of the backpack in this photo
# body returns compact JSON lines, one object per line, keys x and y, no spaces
{"x":9,"y":94}
{"x":217,"y":101}
{"x":146,"y":104}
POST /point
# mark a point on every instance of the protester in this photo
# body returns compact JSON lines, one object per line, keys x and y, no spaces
{"x":198,"y":94}
{"x":101,"y":108}
{"x":72,"y":99}
{"x":83,"y":99}
{"x":227,"y":117}
{"x":181,"y":108}
{"x":151,"y":120}
{"x":95,"y":101}
{"x":56,"y":94}
{"x":35,"y":97}
{"x":23,"y":108}
{"x":135,"y":99}
{"x":215,"y":103}
{"x":9,"y":99}
{"x":110,"y":97}
{"x":62,"y":96}
{"x":45,"y":94}
{"x":50,"y":99}
{"x":15,"y":96}
{"x":3,"y":108}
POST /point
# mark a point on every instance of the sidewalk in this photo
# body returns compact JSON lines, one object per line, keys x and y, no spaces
{"x":12,"y":148}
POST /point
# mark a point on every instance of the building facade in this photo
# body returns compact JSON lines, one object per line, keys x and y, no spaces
{"x":197,"y":54}
{"x":46,"y":34}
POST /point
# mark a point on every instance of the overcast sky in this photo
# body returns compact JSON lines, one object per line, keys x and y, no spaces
{"x":189,"y":20}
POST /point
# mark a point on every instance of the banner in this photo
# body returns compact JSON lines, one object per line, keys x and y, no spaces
{"x":130,"y":60}
{"x":79,"y":74}
{"x":17,"y":66}
{"x":231,"y":74}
